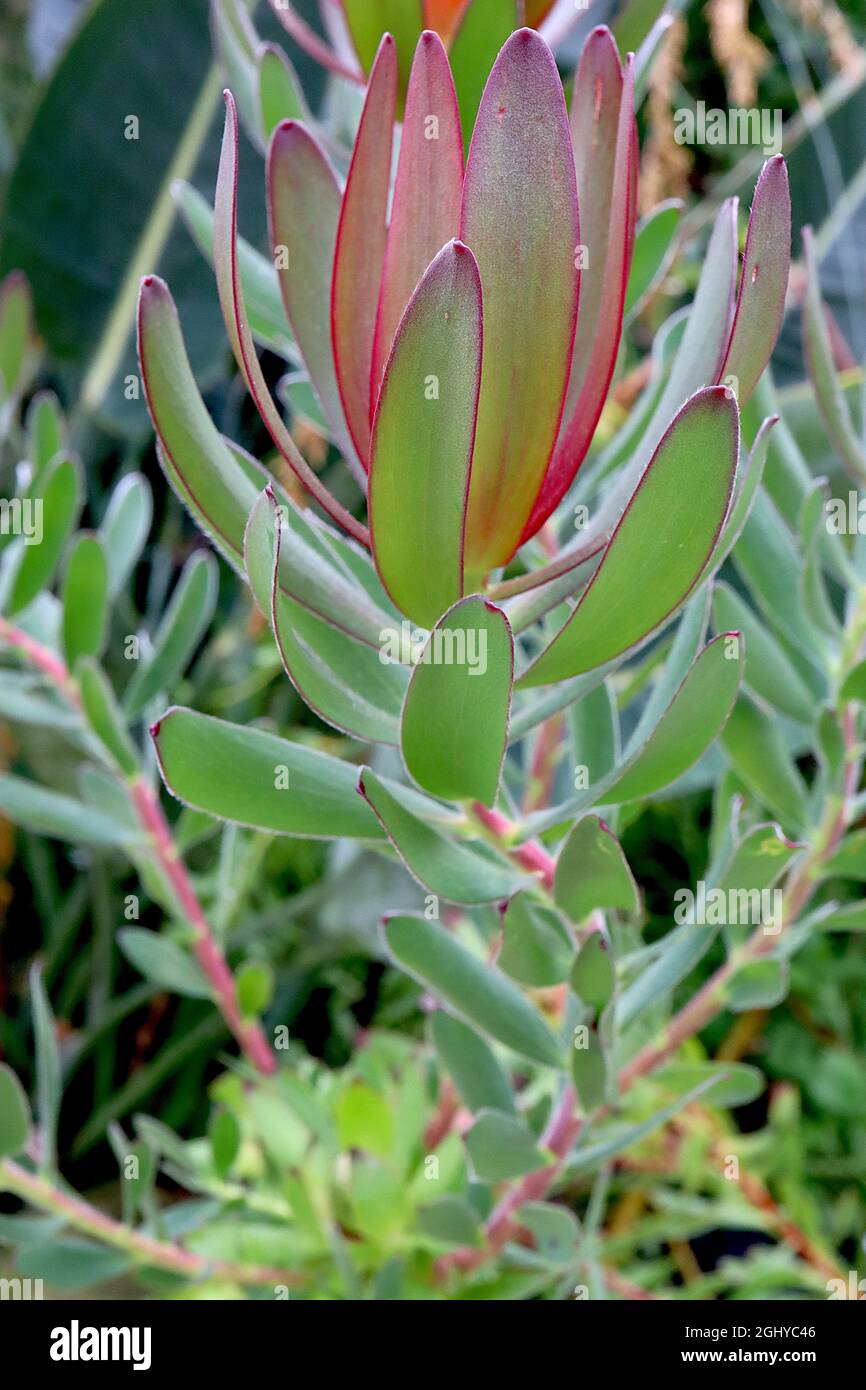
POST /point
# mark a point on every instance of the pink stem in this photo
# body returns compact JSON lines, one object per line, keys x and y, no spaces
{"x":530,"y":856}
{"x":248,"y":1032}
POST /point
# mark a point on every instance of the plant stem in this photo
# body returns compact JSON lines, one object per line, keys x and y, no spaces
{"x":159,"y":1253}
{"x":145,"y":803}
{"x":531,"y":857}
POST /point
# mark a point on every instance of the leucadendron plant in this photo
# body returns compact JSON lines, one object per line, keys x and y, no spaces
{"x":512,"y":621}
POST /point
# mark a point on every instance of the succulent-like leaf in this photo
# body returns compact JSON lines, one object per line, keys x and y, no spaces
{"x":458,"y":872}
{"x":654,"y":248}
{"x":253,"y":778}
{"x":425,"y":210}
{"x":303,"y":213}
{"x":85,"y":599}
{"x":519,"y":217}
{"x":481,"y":29}
{"x":605,"y":151}
{"x":819,"y":361}
{"x":455,"y":718}
{"x":280,"y":95}
{"x":368,"y":20}
{"x":592,"y":872}
{"x":183,"y":625}
{"x":480,"y":993}
{"x":764,"y":281}
{"x":422,"y":439}
{"x":234,"y":313}
{"x":339,"y":677}
{"x":359,"y":253}
{"x":661,"y":544}
{"x":472,"y":1064}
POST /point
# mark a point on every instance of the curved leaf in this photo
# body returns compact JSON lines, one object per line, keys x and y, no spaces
{"x":360,"y":248}
{"x":592,"y":872}
{"x":422,"y":439}
{"x":519,"y":217}
{"x":455,"y":718}
{"x":661,"y":544}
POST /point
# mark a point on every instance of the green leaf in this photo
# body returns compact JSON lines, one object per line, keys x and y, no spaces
{"x":758,"y":860}
{"x":819,"y":361}
{"x":849,"y":860}
{"x":125,"y":528}
{"x":71,"y":1263}
{"x":555,"y":1230}
{"x":451,"y":1220}
{"x":519,"y":208}
{"x":471,"y":1064}
{"x":328,"y":667}
{"x":593,"y":975}
{"x":378,"y":1201}
{"x":588,"y":1069}
{"x":761,"y":984}
{"x":253,"y":778}
{"x":304,"y":207}
{"x":763,"y":283}
{"x":85,"y":599}
{"x":654,"y":247}
{"x":255,"y":986}
{"x":536,"y":949}
{"x":481,"y":994}
{"x":16,"y":332}
{"x":594,"y":726}
{"x":160,"y":959}
{"x":364,"y":1121}
{"x":502,"y":1147}
{"x":660,"y":545}
{"x":691,"y":723}
{"x":225,"y":1140}
{"x":592,"y":872}
{"x":48,"y":1077}
{"x":280,"y":94}
{"x":455,"y":718}
{"x":733,"y":1083}
{"x":59,"y":491}
{"x":423,"y":433}
{"x":854,"y":684}
{"x":449,"y":868}
{"x":198,"y":463}
{"x":757,"y":753}
{"x":14,"y":1114}
{"x":104,"y":717}
{"x":768,"y":671}
{"x":58,"y":816}
{"x":182,"y":627}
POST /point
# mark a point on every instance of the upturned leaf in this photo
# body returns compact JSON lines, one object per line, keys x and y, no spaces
{"x":592,"y":872}
{"x":455,"y":716}
{"x":661,"y":544}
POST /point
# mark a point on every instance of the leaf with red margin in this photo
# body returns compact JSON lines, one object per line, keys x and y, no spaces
{"x":360,"y":248}
{"x":422,"y":439}
{"x":520,"y":218}
{"x":660,"y":546}
{"x":303,"y":212}
{"x":425,"y":212}
{"x":603,"y":130}
{"x":764,"y":281}
{"x":307,"y":39}
{"x":237,"y":326}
